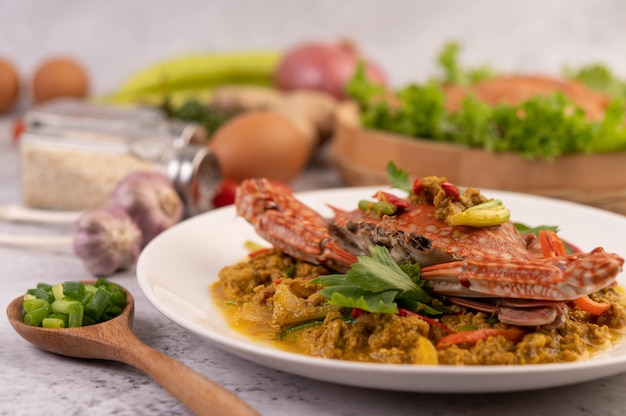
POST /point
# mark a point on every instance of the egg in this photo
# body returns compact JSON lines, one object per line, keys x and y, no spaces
{"x":9,"y":85}
{"x":59,"y":77}
{"x":260,"y":144}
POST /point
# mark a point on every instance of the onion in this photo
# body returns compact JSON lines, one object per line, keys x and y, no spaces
{"x":324,"y":67}
{"x":106,"y":240}
{"x":151,"y":201}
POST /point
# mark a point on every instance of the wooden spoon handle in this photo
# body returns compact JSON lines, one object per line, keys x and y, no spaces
{"x":201,"y":395}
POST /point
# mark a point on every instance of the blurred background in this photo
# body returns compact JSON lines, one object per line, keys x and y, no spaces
{"x":116,"y":38}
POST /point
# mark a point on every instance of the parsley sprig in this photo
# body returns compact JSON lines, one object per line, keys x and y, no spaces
{"x":377,"y":284}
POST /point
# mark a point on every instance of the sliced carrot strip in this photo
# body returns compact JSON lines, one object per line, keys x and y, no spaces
{"x":589,"y":305}
{"x":475,"y":335}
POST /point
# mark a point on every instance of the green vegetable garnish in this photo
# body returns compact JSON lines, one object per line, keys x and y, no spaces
{"x":299,"y":327}
{"x":399,"y":178}
{"x":599,"y":78}
{"x":488,"y":214}
{"x":454,"y":73}
{"x":194,"y":111}
{"x":525,"y":229}
{"x":379,"y":208}
{"x":375,"y":283}
{"x":72,"y":304}
{"x":541,"y":127}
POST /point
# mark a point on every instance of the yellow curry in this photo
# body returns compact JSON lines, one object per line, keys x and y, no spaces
{"x":269,"y":298}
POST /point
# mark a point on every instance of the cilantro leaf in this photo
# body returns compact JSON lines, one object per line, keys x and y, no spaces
{"x":353,"y":297}
{"x":399,"y":178}
{"x":526,"y":229}
{"x":413,"y":270}
{"x":374,"y":283}
{"x":379,"y":272}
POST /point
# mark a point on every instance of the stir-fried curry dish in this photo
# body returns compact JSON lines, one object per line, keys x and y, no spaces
{"x":268,"y":298}
{"x":440,"y":276}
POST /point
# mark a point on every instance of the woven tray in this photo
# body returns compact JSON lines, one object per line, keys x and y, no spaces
{"x":361,"y":156}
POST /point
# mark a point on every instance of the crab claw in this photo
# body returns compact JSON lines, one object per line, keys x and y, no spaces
{"x":558,"y":278}
{"x":288,"y":224}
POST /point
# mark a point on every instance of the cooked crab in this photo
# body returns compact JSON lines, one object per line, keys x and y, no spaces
{"x":458,"y":261}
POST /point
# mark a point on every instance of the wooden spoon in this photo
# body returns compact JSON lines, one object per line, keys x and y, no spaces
{"x":114,"y":340}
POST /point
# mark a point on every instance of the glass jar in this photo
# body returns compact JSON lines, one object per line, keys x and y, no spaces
{"x":73,"y":153}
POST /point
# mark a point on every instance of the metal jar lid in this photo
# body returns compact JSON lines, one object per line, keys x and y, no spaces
{"x":196,"y":176}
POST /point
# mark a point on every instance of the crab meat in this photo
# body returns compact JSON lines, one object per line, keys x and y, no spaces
{"x":459,"y":260}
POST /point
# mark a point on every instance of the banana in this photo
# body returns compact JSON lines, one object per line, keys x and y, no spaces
{"x":196,"y":73}
{"x":174,"y":98}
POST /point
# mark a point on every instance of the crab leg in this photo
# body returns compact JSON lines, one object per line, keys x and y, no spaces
{"x":558,"y":278}
{"x":537,"y":313}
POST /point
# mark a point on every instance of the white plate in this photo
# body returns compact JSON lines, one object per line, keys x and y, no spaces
{"x":176,"y":268}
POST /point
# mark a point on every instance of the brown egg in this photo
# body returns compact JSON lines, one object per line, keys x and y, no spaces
{"x":60,"y":77}
{"x":9,"y":85}
{"x":260,"y":144}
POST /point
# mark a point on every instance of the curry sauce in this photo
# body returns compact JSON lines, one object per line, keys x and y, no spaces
{"x":268,"y":298}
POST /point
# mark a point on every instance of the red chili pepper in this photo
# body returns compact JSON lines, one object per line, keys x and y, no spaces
{"x":392,"y":199}
{"x":18,"y":129}
{"x":451,"y":190}
{"x":551,"y":244}
{"x":406,"y":312}
{"x":417,"y":186}
{"x":356,"y":312}
{"x":258,"y":252}
{"x":225,"y":195}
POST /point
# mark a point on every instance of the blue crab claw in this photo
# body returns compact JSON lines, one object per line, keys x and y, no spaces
{"x":558,"y":278}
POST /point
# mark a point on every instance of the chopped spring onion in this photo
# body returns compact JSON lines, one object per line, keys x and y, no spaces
{"x":53,"y":323}
{"x":379,"y":208}
{"x":299,"y":327}
{"x":72,"y":304}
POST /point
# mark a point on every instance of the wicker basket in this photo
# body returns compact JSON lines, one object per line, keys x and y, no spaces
{"x":362,"y":155}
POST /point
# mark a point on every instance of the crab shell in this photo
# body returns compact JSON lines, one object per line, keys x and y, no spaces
{"x":457,"y":260}
{"x":476,"y":262}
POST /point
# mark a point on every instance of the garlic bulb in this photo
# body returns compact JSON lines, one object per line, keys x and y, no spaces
{"x":151,"y":201}
{"x":107,"y":240}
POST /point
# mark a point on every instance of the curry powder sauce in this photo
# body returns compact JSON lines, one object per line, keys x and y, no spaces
{"x":267,"y":299}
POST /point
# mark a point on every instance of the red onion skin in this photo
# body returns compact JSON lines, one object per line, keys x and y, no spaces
{"x":106,"y":240}
{"x":323,"y":67}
